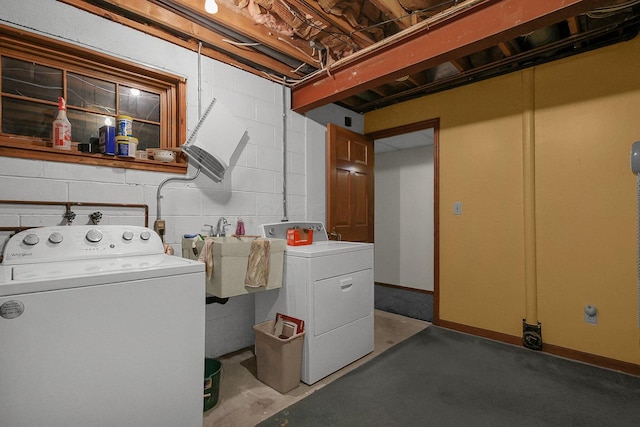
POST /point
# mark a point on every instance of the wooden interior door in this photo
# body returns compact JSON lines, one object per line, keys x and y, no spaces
{"x":350,"y":184}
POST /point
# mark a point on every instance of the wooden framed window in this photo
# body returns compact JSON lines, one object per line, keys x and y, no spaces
{"x":36,"y":70}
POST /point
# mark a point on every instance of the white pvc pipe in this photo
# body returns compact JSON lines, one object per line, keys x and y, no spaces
{"x":529,"y":184}
{"x":284,"y":153}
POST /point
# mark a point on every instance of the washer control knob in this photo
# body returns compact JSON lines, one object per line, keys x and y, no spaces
{"x":94,"y":235}
{"x":271,"y":231}
{"x":145,"y":235}
{"x":127,"y":235}
{"x":55,"y":238}
{"x":30,"y":239}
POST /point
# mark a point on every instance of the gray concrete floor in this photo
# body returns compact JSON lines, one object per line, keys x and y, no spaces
{"x":245,"y":401}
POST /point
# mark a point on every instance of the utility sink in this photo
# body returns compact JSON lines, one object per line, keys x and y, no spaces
{"x":234,"y":239}
{"x":230,"y":260}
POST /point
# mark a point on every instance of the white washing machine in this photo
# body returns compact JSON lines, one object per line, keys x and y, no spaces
{"x":329,"y":285}
{"x":99,"y":327}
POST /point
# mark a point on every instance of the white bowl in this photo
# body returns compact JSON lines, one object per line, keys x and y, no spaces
{"x":164,"y":155}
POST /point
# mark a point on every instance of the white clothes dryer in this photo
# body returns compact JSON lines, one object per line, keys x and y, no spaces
{"x":329,"y":285}
{"x":99,"y":327}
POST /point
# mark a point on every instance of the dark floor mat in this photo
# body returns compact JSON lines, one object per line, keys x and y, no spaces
{"x":441,"y":377}
{"x":406,"y":302}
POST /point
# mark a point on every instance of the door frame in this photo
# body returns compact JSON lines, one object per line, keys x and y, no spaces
{"x":413,"y":127}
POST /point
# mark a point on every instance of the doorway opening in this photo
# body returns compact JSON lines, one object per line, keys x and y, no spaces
{"x":406,"y":220}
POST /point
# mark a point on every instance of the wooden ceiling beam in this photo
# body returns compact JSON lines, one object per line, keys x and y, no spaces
{"x":241,"y":22}
{"x":574,"y":25}
{"x":418,"y":79}
{"x":462,"y":64}
{"x":181,"y":25}
{"x":156,"y":32}
{"x":477,"y":28}
{"x":393,"y":10}
{"x":312,"y":8}
{"x":509,"y":48}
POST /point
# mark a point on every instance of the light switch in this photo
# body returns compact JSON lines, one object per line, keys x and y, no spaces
{"x":457,"y":208}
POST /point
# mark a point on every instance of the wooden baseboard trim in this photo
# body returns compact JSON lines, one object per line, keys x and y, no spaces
{"x":592,"y":359}
{"x":404,"y":288}
{"x":579,"y":356}
{"x":484,"y":333}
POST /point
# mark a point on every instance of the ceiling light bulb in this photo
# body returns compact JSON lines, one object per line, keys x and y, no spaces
{"x":211,"y":6}
{"x":135,"y":92}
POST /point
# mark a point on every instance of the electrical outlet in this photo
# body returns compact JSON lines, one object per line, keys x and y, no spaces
{"x":457,"y":208}
{"x":159,"y":227}
{"x":591,"y":314}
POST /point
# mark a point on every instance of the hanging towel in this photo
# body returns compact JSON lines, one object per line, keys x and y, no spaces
{"x":258,"y":264}
{"x":206,"y":256}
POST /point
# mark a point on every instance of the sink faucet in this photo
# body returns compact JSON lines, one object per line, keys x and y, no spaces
{"x":334,"y":235}
{"x":221,"y":228}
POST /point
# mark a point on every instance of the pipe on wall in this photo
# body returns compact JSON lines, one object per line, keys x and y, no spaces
{"x":68,"y":206}
{"x":284,"y":154}
{"x":532,"y":336}
{"x":199,"y":80}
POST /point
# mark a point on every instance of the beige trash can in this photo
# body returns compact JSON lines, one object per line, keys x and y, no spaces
{"x":279,"y":360}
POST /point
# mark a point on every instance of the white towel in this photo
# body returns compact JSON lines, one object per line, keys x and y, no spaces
{"x":206,"y":256}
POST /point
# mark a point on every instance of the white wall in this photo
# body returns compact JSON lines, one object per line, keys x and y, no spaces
{"x":404,"y":218}
{"x":253,"y":191}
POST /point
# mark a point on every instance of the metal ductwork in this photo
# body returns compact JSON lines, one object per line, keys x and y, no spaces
{"x":216,"y":142}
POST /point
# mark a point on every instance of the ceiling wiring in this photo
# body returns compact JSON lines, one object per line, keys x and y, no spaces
{"x":607,"y":11}
{"x":297,"y":48}
{"x":248,"y":44}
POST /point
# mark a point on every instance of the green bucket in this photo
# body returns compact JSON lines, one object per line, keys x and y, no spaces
{"x":212,"y":369}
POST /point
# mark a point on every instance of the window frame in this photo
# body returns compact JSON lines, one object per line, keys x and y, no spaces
{"x":33,"y":47}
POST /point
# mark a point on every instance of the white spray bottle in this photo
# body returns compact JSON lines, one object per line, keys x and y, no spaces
{"x":61,"y":132}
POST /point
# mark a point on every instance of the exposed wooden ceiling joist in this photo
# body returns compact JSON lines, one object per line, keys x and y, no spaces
{"x":394,"y":10}
{"x":313,"y":8}
{"x":368,"y":54}
{"x":424,"y":46}
{"x":246,"y":26}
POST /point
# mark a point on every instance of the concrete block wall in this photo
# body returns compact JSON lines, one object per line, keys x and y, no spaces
{"x":253,"y":190}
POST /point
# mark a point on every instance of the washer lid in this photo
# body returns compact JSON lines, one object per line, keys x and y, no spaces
{"x":48,"y":276}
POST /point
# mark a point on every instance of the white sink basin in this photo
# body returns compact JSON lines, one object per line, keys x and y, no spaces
{"x":230,"y":259}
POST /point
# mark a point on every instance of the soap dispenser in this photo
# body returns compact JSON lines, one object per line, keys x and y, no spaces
{"x":240,"y":227}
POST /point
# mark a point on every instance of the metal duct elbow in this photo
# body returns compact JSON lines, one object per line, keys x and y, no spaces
{"x":216,"y":142}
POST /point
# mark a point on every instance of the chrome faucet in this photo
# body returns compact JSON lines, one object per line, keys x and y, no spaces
{"x":334,"y":235}
{"x":221,"y":228}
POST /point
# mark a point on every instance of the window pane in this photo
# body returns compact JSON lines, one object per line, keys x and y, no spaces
{"x":97,"y":88}
{"x":139,"y":104}
{"x":92,"y":94}
{"x":31,"y":80}
{"x":148,"y":135}
{"x":85,"y":125}
{"x":27,"y":118}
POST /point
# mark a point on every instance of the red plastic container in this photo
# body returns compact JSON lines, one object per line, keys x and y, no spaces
{"x":299,"y":236}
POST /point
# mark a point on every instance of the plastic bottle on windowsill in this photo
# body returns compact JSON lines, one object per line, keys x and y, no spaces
{"x":61,"y":132}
